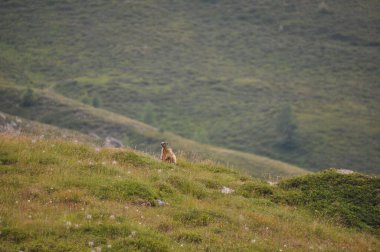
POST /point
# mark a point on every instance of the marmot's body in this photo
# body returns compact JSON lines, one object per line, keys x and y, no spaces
{"x":167,"y":154}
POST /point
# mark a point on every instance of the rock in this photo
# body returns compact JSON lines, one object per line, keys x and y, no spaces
{"x":161,"y":203}
{"x":344,"y":171}
{"x":226,"y":190}
{"x":113,"y":142}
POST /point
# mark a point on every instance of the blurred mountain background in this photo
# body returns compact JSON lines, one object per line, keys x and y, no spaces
{"x":296,"y":81}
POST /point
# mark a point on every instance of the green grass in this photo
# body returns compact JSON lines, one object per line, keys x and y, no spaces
{"x":61,"y":195}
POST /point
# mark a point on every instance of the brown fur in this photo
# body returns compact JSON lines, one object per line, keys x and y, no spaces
{"x":167,"y":154}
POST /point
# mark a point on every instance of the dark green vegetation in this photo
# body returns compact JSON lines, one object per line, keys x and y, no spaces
{"x":67,"y":196}
{"x":351,"y":198}
{"x":217,"y":71}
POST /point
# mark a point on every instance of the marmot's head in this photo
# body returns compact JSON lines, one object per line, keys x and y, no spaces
{"x":164,"y":144}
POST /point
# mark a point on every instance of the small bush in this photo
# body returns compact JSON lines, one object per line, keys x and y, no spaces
{"x":96,"y":102}
{"x":28,"y":98}
{"x":254,"y":189}
{"x":351,"y":199}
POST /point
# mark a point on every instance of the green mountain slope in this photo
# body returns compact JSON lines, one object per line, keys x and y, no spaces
{"x":61,"y":196}
{"x":215,"y":71}
{"x":63,"y":112}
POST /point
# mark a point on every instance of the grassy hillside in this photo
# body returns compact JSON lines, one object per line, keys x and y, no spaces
{"x":19,"y":126}
{"x":215,"y":71}
{"x":57,"y":110}
{"x":61,"y":196}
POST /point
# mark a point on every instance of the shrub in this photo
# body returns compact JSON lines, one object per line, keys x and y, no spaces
{"x":254,"y":189}
{"x":352,"y":199}
{"x":28,"y":98}
{"x":96,"y":102}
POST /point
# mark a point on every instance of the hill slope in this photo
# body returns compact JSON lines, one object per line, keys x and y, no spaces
{"x":57,"y":195}
{"x":66,"y":113}
{"x":224,"y":71}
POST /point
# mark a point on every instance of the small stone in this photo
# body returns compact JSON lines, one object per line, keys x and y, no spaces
{"x":226,"y":190}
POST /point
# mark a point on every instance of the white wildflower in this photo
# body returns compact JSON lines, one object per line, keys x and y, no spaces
{"x":109,"y":246}
{"x":88,"y":216}
{"x":112,"y":217}
{"x":91,"y":243}
{"x":98,"y":249}
{"x":253,"y":241}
